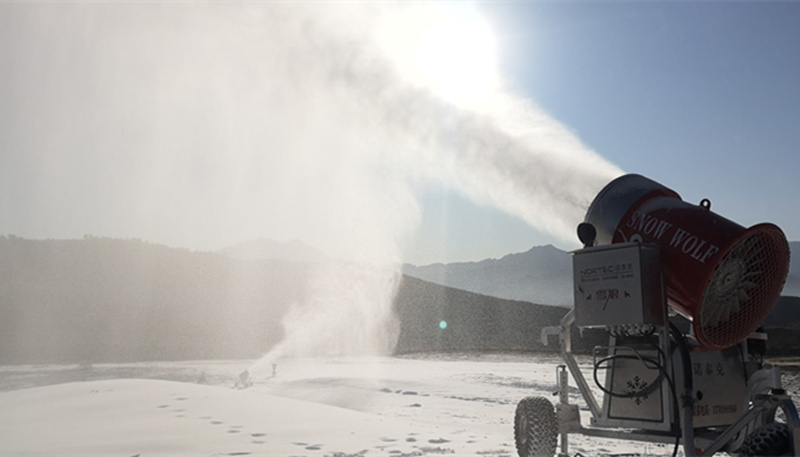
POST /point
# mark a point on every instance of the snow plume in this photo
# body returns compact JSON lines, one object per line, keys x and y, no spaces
{"x":506,"y":153}
{"x":348,"y":311}
{"x":501,"y":151}
{"x":204,"y":124}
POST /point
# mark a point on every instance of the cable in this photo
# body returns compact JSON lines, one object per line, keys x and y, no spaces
{"x":677,"y":445}
{"x":673,"y":391}
{"x":687,"y":405}
{"x":650,"y":364}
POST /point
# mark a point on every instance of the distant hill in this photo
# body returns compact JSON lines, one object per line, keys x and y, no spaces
{"x":786,"y":313}
{"x":783,"y":327}
{"x":126,"y":300}
{"x":793,"y":281}
{"x":105,"y":300}
{"x":438,"y":318}
{"x":541,"y":275}
{"x":267,"y":249}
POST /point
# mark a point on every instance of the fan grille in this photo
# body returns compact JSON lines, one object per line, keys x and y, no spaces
{"x":743,"y":288}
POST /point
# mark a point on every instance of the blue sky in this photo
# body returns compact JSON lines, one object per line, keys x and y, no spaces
{"x":202,"y":125}
{"x":703,"y":97}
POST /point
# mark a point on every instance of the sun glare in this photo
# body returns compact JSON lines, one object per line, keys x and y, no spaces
{"x":449,"y":50}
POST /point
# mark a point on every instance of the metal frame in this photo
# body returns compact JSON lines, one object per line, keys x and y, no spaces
{"x":762,"y":408}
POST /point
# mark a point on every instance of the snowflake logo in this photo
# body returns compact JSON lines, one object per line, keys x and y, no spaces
{"x":637,"y":385}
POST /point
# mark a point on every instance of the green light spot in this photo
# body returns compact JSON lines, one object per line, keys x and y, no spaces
{"x":442,"y":325}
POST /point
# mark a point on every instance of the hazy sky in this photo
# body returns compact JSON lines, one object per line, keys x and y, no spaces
{"x":703,"y":97}
{"x":203,"y":125}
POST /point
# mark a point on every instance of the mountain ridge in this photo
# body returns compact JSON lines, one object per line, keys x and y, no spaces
{"x":107,"y":300}
{"x":269,"y":249}
{"x":543,"y":274}
{"x":99,"y":300}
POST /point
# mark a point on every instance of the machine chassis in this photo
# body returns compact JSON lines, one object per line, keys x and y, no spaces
{"x":757,"y":386}
{"x":764,"y":390}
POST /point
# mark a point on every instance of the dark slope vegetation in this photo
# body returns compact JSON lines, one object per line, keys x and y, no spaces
{"x":783,"y":328}
{"x":114,"y":300}
{"x":473,"y":321}
{"x":470,"y":321}
{"x":104,"y":300}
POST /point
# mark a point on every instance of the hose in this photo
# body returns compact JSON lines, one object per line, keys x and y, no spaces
{"x":687,"y":403}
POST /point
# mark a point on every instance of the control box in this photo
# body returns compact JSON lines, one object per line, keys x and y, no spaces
{"x":619,"y":285}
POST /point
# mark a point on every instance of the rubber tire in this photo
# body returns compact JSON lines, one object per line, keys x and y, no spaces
{"x":535,"y":427}
{"x":773,"y":439}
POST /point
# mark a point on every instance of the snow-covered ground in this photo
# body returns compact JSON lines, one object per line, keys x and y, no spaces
{"x":393,"y":406}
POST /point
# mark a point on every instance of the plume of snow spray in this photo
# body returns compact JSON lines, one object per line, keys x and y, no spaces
{"x":205,"y":124}
{"x":506,"y":153}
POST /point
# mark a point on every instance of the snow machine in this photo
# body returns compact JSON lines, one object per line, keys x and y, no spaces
{"x":682,"y":293}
